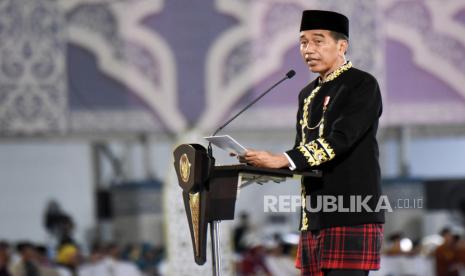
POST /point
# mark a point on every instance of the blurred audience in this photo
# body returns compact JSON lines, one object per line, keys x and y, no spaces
{"x":97,"y":253}
{"x":27,"y":265}
{"x":103,"y":260}
{"x":460,"y":255}
{"x":258,"y":256}
{"x":4,"y":258}
{"x":111,"y":260}
{"x":68,"y":259}
{"x":254,"y":262}
{"x":393,"y":246}
{"x":46,"y":266}
{"x":445,"y":255}
{"x":417,"y":249}
{"x":279,"y":259}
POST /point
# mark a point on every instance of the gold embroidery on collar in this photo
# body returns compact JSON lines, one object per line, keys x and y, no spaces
{"x":338,"y":71}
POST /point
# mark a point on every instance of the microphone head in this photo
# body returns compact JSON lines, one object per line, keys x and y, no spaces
{"x":290,"y":74}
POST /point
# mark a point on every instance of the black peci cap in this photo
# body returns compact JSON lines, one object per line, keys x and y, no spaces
{"x":324,"y":20}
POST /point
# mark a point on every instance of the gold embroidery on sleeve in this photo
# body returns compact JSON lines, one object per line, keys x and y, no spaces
{"x":317,"y":152}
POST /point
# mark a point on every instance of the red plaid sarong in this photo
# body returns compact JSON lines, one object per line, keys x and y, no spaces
{"x":344,"y":247}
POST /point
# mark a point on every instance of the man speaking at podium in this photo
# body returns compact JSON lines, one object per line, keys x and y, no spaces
{"x":336,"y":128}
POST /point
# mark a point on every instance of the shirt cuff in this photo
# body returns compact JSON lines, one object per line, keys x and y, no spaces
{"x":292,"y":165}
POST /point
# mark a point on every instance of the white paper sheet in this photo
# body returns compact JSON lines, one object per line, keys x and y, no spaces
{"x":227,"y":143}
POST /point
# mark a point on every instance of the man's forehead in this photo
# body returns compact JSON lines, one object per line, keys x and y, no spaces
{"x":313,"y":33}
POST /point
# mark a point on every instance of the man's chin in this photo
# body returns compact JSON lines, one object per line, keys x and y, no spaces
{"x":313,"y":68}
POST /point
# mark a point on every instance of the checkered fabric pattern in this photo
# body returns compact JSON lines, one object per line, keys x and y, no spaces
{"x":345,"y":247}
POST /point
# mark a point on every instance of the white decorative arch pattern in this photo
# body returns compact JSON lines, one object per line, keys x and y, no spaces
{"x":437,"y":42}
{"x":424,"y":56}
{"x":160,"y":95}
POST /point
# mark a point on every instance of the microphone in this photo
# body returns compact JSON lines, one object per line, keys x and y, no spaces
{"x":289,"y":75}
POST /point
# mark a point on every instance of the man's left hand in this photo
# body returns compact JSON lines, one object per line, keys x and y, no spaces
{"x":265,"y":159}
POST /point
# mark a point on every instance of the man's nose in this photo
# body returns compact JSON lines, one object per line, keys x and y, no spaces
{"x":309,"y":49}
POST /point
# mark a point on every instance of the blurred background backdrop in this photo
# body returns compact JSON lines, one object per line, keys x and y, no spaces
{"x":95,"y":95}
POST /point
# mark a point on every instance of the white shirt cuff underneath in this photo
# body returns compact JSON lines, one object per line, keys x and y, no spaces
{"x":292,"y":164}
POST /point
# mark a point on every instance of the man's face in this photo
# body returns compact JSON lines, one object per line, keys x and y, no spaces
{"x":321,"y":52}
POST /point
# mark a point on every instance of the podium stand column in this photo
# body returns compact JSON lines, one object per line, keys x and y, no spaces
{"x":215,"y":238}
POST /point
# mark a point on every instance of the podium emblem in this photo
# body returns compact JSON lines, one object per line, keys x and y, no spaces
{"x":185,"y":167}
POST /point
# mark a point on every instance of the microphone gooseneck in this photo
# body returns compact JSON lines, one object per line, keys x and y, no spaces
{"x":289,"y":75}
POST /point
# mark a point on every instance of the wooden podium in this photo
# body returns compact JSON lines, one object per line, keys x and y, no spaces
{"x":209,"y":193}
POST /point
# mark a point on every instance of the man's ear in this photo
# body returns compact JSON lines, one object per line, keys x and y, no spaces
{"x":343,"y":46}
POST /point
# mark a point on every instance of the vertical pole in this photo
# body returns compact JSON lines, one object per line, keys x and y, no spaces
{"x":147,"y":156}
{"x":404,"y":142}
{"x":215,"y":239}
{"x":97,"y":183}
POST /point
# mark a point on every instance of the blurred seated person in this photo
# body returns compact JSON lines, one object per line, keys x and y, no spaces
{"x":416,"y":248}
{"x":461,"y":250}
{"x":460,"y":254}
{"x":46,"y":267}
{"x":110,"y":265}
{"x":445,"y":255}
{"x":120,"y":267}
{"x":97,"y":253}
{"x":68,"y":260}
{"x":27,"y":265}
{"x":253,"y":262}
{"x":394,"y":248}
{"x":4,"y":258}
{"x":253,"y":257}
{"x":278,"y":260}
